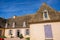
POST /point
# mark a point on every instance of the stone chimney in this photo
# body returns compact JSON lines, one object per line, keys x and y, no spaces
{"x":14,"y":17}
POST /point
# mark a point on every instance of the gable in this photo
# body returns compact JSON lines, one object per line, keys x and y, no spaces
{"x":38,"y":17}
{"x":53,"y":14}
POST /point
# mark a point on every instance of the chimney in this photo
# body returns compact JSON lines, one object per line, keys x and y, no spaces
{"x":14,"y":17}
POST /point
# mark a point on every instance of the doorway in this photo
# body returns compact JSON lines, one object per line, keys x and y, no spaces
{"x":18,"y":33}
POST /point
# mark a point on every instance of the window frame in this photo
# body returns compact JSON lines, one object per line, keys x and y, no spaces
{"x":14,"y":24}
{"x":48,"y":31}
{"x":27,"y":31}
{"x":24,"y":24}
{"x":45,"y":15}
{"x":10,"y":32}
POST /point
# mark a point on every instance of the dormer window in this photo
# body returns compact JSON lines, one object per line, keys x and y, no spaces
{"x":24,"y":24}
{"x":13,"y":24}
{"x":45,"y":15}
{"x":6,"y":25}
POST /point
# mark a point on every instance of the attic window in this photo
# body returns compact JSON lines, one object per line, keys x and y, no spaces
{"x":6,"y":25}
{"x":14,"y":24}
{"x":45,"y":14}
{"x":24,"y":24}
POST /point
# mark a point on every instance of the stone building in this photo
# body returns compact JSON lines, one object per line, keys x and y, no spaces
{"x":43,"y":25}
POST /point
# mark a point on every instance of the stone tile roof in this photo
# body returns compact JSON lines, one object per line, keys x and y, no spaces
{"x":53,"y":15}
{"x":33,"y":18}
{"x":19,"y":21}
{"x":2,"y":22}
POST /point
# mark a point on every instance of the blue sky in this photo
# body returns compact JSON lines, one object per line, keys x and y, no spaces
{"x":9,"y":8}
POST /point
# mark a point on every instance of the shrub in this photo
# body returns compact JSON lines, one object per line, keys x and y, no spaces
{"x":21,"y":36}
{"x":2,"y":36}
{"x":28,"y":38}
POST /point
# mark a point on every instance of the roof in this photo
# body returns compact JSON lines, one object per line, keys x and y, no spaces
{"x":2,"y":22}
{"x":35,"y":18}
{"x":19,"y":21}
{"x":53,"y":15}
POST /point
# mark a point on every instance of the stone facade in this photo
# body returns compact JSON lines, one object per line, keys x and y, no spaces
{"x":37,"y":31}
{"x":33,"y":22}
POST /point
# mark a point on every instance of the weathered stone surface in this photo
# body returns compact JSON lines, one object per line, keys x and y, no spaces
{"x":13,"y":39}
{"x":38,"y":17}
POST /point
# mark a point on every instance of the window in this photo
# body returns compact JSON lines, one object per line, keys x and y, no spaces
{"x":48,"y":31}
{"x":24,"y":24}
{"x":18,"y":33}
{"x":6,"y":25}
{"x":14,"y":24}
{"x":27,"y":31}
{"x":45,"y":14}
{"x":10,"y":32}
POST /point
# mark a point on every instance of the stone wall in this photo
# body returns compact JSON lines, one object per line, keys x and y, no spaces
{"x":11,"y":39}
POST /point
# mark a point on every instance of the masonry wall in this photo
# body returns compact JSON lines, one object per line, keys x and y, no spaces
{"x":2,"y":30}
{"x":37,"y":31}
{"x":14,"y":32}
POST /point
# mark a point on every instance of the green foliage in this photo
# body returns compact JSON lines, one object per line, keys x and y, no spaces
{"x":2,"y":36}
{"x":21,"y":36}
{"x":28,"y":38}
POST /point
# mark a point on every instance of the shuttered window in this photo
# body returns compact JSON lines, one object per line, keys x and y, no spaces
{"x":48,"y":31}
{"x":27,"y":31}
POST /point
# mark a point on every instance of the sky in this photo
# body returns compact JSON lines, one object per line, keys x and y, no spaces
{"x":9,"y":8}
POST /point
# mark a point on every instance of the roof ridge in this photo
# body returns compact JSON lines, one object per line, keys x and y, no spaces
{"x":26,"y":15}
{"x":23,"y":16}
{"x":46,"y":5}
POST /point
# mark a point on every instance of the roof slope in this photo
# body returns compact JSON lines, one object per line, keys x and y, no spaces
{"x":33,"y":18}
{"x":54,"y":15}
{"x":2,"y":22}
{"x":19,"y":21}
